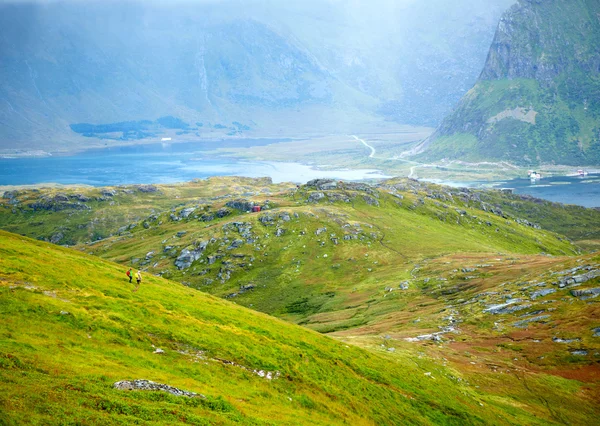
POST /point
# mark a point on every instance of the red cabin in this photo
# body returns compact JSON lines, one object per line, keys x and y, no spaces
{"x":255,"y":209}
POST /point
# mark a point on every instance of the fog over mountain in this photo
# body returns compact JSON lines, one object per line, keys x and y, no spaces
{"x":270,"y":66}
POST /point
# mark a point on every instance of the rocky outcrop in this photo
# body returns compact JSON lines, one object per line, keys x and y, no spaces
{"x":147,"y":188}
{"x":241,"y":205}
{"x":147,"y":385}
{"x":59,"y":202}
{"x":189,"y":255}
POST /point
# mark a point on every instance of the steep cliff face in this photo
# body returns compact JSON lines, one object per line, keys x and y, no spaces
{"x":537,"y":99}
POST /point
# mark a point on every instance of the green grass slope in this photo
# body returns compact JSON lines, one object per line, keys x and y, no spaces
{"x":71,"y":326}
{"x":309,"y":254}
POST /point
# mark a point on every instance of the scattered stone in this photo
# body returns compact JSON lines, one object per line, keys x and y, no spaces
{"x":322,"y":184}
{"x":207,"y":217}
{"x":158,"y":351}
{"x":279,"y":232}
{"x":316,"y":197}
{"x":236,"y":244}
{"x":559,"y":340}
{"x":147,"y":188}
{"x":190,"y":255}
{"x":241,"y":204}
{"x":181,"y":234}
{"x":9,"y":195}
{"x":525,"y":323}
{"x":64,"y":313}
{"x":404,"y":285}
{"x":221,"y":213}
{"x":596,"y":332}
{"x":185,"y":213}
{"x":578,"y":279}
{"x":370,"y":200}
{"x":579,"y":353}
{"x":148,"y":385}
{"x":56,"y":238}
{"x":468,"y":270}
{"x":542,"y":293}
{"x":320,"y":231}
{"x":589,"y":293}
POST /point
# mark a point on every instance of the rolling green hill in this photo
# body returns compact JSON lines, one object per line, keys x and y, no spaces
{"x":72,"y":327}
{"x":466,"y":310}
{"x":536,"y":101}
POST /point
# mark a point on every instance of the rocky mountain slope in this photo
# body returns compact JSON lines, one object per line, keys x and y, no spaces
{"x":143,"y":71}
{"x":458,"y":296}
{"x":536,"y":100}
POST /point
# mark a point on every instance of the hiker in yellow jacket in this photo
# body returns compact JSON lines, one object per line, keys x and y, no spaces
{"x":138,"y":278}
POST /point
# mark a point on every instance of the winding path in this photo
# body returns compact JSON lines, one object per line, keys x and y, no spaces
{"x":365,"y":144}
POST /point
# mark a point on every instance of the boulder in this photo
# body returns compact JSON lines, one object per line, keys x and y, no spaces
{"x":525,"y":323}
{"x":185,"y":213}
{"x":241,"y":204}
{"x":147,"y":188}
{"x":223,"y":212}
{"x":108,"y":192}
{"x":236,"y":244}
{"x":370,"y":200}
{"x":207,"y":217}
{"x":316,"y":197}
{"x":320,"y":231}
{"x":189,"y":255}
{"x":80,"y":197}
{"x":322,"y":184}
{"x":543,"y":292}
{"x":56,"y":238}
{"x":589,"y":293}
{"x":9,"y":195}
{"x":266,"y":219}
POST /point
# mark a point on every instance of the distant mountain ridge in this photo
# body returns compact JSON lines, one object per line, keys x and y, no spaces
{"x":275,"y":68}
{"x":538,"y":97}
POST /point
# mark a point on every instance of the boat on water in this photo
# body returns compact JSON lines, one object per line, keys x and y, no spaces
{"x":582,"y":173}
{"x":534,"y":176}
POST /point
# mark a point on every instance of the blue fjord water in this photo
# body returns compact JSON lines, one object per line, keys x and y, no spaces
{"x":159,"y":163}
{"x":168,"y":163}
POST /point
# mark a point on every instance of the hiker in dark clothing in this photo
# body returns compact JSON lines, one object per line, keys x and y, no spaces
{"x":130,"y":274}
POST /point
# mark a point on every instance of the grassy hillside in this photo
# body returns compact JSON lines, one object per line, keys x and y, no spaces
{"x":468,"y":311}
{"x":72,"y":327}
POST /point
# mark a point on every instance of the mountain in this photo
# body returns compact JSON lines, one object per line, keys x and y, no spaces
{"x":228,"y":67}
{"x":440,"y":305}
{"x":537,"y":98}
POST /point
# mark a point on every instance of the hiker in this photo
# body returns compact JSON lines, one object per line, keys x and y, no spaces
{"x":138,"y":277}
{"x":130,"y":275}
